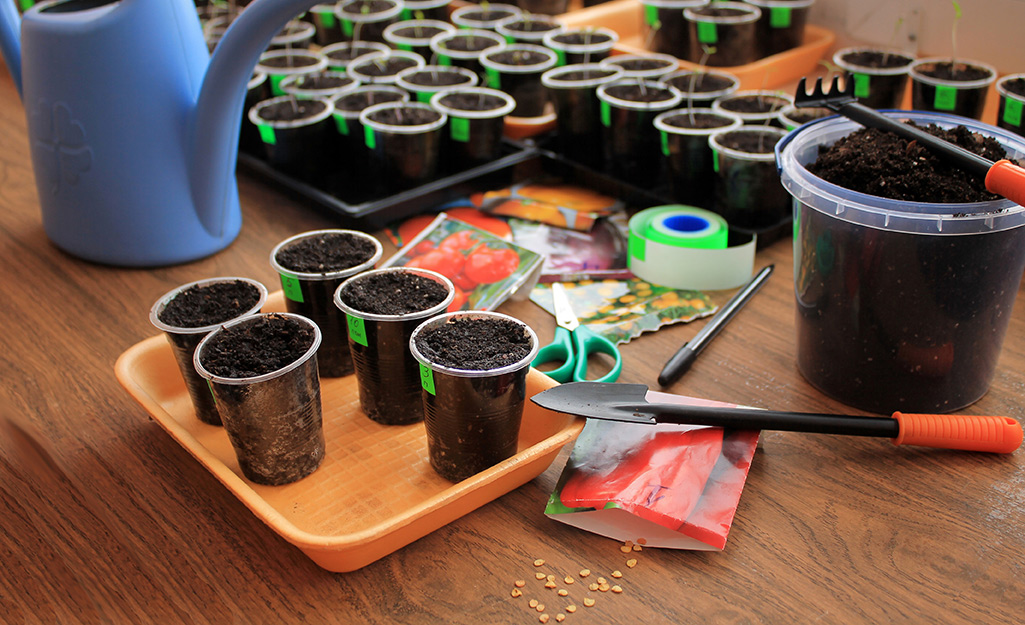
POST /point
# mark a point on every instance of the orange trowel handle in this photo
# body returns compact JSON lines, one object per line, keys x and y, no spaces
{"x":1001,"y":435}
{"x":1007,"y":179}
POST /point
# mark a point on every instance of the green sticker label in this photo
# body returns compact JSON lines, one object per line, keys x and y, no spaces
{"x":1012,"y":112}
{"x":407,"y":14}
{"x":665,"y":142}
{"x":650,"y":14}
{"x":946,"y":98}
{"x":210,"y":385}
{"x":357,"y":329}
{"x":715,"y":161}
{"x":444,"y":60}
{"x":636,"y":247}
{"x":423,"y":96}
{"x":347,"y":28}
{"x":707,"y":32}
{"x":267,"y":134}
{"x":342,"y":124}
{"x":27,"y":4}
{"x":427,"y":378}
{"x":780,"y":17}
{"x":459,"y":128}
{"x":405,"y":47}
{"x":606,"y":114}
{"x":510,"y":39}
{"x":275,"y":84}
{"x":861,"y":88}
{"x":293,"y":290}
{"x":368,"y":137}
{"x":560,"y":57}
{"x":494,"y":79}
{"x":327,"y":19}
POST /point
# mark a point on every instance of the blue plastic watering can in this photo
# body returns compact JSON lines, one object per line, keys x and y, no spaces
{"x":133,"y":125}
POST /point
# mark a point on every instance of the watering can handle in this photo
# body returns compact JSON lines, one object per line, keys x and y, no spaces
{"x":10,"y":40}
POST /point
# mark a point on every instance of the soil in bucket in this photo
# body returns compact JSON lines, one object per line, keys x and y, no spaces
{"x":891,"y":320}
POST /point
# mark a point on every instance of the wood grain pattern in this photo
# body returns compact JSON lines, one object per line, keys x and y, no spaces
{"x":105,"y":519}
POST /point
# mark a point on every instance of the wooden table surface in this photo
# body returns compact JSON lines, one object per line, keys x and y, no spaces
{"x":105,"y":519}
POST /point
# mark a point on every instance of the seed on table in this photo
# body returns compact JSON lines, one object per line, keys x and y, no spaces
{"x":617,"y":574}
{"x":540,"y":607}
{"x":533,"y":603}
{"x":588,"y":602}
{"x":626,"y":548}
{"x":543,"y":618}
{"x":632,"y":562}
{"x":637,"y":547}
{"x":568,"y":580}
{"x":550,"y":584}
{"x":604,"y":588}
{"x":520,"y":583}
{"x":539,"y":562}
{"x":539,"y":575}
{"x":593,"y":586}
{"x":560,"y":617}
{"x":585,"y":572}
{"x":641,"y":541}
{"x":563,"y":592}
{"x":602,"y":580}
{"x":617,"y":589}
{"x":571,"y":608}
{"x":516,"y":592}
{"x":551,"y":578}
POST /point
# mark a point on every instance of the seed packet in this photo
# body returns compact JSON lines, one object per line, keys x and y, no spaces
{"x":554,"y":203}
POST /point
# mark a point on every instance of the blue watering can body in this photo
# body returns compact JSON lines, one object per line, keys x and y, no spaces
{"x":133,"y":126}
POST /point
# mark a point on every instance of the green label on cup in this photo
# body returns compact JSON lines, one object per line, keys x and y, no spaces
{"x":459,"y":128}
{"x":405,"y":47}
{"x":1012,"y":112}
{"x":267,"y":134}
{"x":861,"y":88}
{"x":368,"y":137}
{"x":444,"y":60}
{"x":27,"y":4}
{"x":707,"y":32}
{"x":946,"y":98}
{"x":780,"y":17}
{"x":637,"y":247}
{"x":327,"y":19}
{"x":665,"y":142}
{"x":342,"y":124}
{"x":275,"y":84}
{"x":357,"y":329}
{"x":290,"y":285}
{"x":427,"y":378}
{"x":715,"y":160}
{"x":423,"y":96}
{"x":510,"y":39}
{"x":347,"y":28}
{"x":406,"y":15}
{"x":606,"y":114}
{"x":494,"y":79}
{"x":650,"y":14}
{"x":210,"y":385}
{"x":560,"y":57}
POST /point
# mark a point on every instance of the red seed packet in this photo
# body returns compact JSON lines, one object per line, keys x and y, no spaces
{"x":676,"y":486}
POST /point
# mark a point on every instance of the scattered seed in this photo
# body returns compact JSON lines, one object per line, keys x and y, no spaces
{"x":625,"y":549}
{"x":637,"y":547}
{"x":571,"y":608}
{"x":539,"y":562}
{"x":602,"y":580}
{"x":532,"y":603}
{"x":604,"y":588}
{"x":585,"y":572}
{"x":550,"y":584}
{"x":593,"y":586}
{"x":560,"y":617}
{"x":540,"y":607}
{"x":543,"y":618}
{"x":568,"y":580}
{"x":632,"y":562}
{"x":641,"y":541}
{"x":617,"y":574}
{"x":617,"y":589}
{"x":588,"y":602}
{"x":551,"y":578}
{"x":539,"y":575}
{"x":563,"y":592}
{"x":516,"y":592}
{"x":520,"y":583}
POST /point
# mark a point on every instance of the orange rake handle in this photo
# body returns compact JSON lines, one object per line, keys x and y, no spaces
{"x":1000,"y":435}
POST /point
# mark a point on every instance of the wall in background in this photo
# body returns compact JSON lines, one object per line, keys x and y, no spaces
{"x":989,"y":30}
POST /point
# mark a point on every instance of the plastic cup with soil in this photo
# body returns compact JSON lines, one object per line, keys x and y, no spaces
{"x":323,"y":84}
{"x":755,"y":107}
{"x":585,"y":44}
{"x":880,"y":76}
{"x":190,"y":312}
{"x":748,"y":193}
{"x":328,"y":29}
{"x":905,"y":267}
{"x":382,"y":308}
{"x":348,"y":144}
{"x":543,"y":7}
{"x":311,"y":265}
{"x":296,"y":35}
{"x":526,"y":28}
{"x":365,"y":20}
{"x":1011,"y":89}
{"x":473,"y":369}
{"x":277,"y":64}
{"x":632,"y":146}
{"x":645,"y":66}
{"x":946,"y":86}
{"x":257,"y":90}
{"x":415,"y":35}
{"x":689,"y":159}
{"x":464,"y":47}
{"x":728,"y":27}
{"x":702,"y":87}
{"x":404,"y":141}
{"x":516,"y":69}
{"x":262,"y":370}
{"x":423,"y":82}
{"x":339,"y":55}
{"x":476,"y":122}
{"x":664,"y":29}
{"x":425,"y":9}
{"x":295,"y":134}
{"x":781,"y":26}
{"x":578,"y":131}
{"x":383,"y":68}
{"x":791,"y":116}
{"x":485,"y":16}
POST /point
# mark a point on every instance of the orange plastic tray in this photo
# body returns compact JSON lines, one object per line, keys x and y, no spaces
{"x":375,"y":491}
{"x":625,"y":17}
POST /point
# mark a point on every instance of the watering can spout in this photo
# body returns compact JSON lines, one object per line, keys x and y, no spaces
{"x":10,"y":41}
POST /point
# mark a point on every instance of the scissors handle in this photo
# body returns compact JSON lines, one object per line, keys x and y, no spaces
{"x":559,"y":350}
{"x":586,"y":343}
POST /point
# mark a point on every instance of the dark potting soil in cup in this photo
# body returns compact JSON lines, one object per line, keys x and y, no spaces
{"x":634,"y":93}
{"x":583,"y":39}
{"x":321,"y":81}
{"x":205,"y":305}
{"x":532,"y":26}
{"x":753,"y":104}
{"x":417,"y":32}
{"x":485,"y":16}
{"x":1016,"y":86}
{"x":475,"y":344}
{"x":702,"y":83}
{"x":699,"y":120}
{"x":291,"y":110}
{"x":750,"y":142}
{"x":393,"y":293}
{"x":641,"y":65}
{"x":472,"y":101}
{"x":407,"y":116}
{"x":877,"y":59}
{"x":289,"y":61}
{"x":857,"y":339}
{"x":946,"y":71}
{"x":439,"y":78}
{"x":325,"y":253}
{"x":805,"y":115}
{"x":357,"y":101}
{"x":251,"y":349}
{"x":344,"y":55}
{"x":389,"y":66}
{"x":519,"y":57}
{"x":469,"y":43}
{"x":734,"y":43}
{"x":968,"y":101}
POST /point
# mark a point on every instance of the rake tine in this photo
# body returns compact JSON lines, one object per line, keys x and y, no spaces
{"x":818,"y":92}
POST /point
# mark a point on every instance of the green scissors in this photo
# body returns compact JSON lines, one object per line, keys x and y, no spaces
{"x":573,"y":345}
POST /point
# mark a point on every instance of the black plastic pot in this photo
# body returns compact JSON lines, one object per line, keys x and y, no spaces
{"x":543,"y":7}
{"x":383,"y":68}
{"x":781,"y":26}
{"x":309,"y":290}
{"x":631,"y":143}
{"x":791,"y":117}
{"x":328,"y":30}
{"x":425,"y":9}
{"x":728,"y":27}
{"x":257,"y":90}
{"x":880,"y":76}
{"x":365,"y":20}
{"x":274,"y":419}
{"x":1011,"y":89}
{"x":277,"y":64}
{"x":755,"y":108}
{"x":578,"y":133}
{"x":748,"y":192}
{"x":701,"y":88}
{"x":339,"y":55}
{"x":415,"y":35}
{"x":472,"y":415}
{"x":527,"y":28}
{"x":387,"y":375}
{"x":691,"y":170}
{"x":347,"y":144}
{"x":482,"y":16}
{"x":476,"y":122}
{"x":423,"y":82}
{"x":516,"y":69}
{"x":645,"y":66}
{"x":464,"y":47}
{"x":936,"y":86}
{"x":404,"y":142}
{"x":185,"y":337}
{"x":587,"y":44}
{"x":294,"y":134}
{"x":665,"y":30}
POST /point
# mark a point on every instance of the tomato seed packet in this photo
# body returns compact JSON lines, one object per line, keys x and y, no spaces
{"x":485,"y":269}
{"x":676,"y":486}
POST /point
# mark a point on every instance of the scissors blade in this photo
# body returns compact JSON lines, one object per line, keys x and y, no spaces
{"x":564,"y":315}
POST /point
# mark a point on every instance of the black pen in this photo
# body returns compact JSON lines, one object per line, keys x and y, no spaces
{"x":684,"y":358}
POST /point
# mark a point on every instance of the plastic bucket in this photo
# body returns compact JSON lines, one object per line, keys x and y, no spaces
{"x":900,"y":305}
